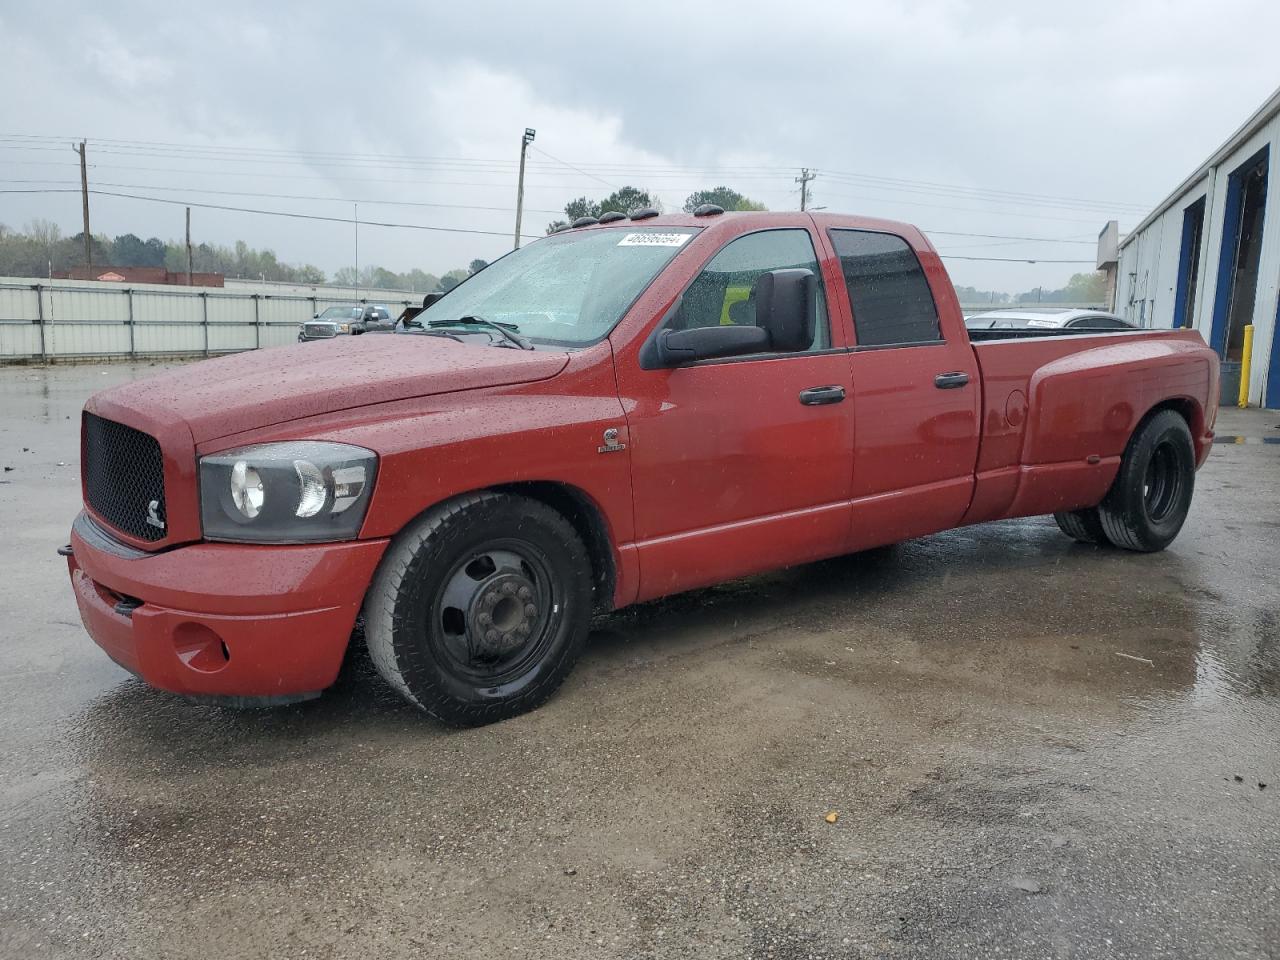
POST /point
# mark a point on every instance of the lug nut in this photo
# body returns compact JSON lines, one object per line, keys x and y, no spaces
{"x":508,"y":588}
{"x":492,"y":636}
{"x":530,"y":610}
{"x":525,"y":593}
{"x":485,"y":619}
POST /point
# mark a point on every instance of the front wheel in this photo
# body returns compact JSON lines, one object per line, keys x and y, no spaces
{"x":1149,"y":500}
{"x":480,"y":609}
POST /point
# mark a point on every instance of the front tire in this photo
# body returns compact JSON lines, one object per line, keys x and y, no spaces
{"x":1149,"y":500}
{"x":480,"y":608}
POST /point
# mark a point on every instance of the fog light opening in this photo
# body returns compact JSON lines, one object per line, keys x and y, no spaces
{"x":199,"y":648}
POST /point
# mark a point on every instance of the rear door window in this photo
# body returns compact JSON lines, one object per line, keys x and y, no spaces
{"x":890,"y":296}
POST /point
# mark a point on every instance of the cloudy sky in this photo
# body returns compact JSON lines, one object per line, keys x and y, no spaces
{"x":999,"y":117}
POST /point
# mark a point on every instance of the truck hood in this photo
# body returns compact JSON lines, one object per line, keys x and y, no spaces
{"x":260,"y":388}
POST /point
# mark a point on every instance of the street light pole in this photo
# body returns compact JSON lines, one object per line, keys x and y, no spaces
{"x":529,"y":134}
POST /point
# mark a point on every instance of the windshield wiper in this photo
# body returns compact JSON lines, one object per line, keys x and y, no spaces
{"x":509,"y":331}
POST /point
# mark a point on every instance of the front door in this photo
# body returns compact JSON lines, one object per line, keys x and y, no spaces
{"x":744,"y":464}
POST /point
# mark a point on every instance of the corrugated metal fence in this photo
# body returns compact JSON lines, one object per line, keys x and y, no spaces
{"x":54,"y":320}
{"x":79,"y":320}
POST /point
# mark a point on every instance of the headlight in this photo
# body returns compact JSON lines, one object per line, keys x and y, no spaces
{"x":344,"y":328}
{"x":299,"y":492}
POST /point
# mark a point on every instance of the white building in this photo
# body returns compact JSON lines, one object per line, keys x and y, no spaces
{"x":1209,"y":256}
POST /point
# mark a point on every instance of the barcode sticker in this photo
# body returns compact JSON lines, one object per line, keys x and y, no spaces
{"x":653,"y":239}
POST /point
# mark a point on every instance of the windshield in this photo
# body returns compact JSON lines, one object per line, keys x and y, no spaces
{"x":569,"y":289}
{"x":340,"y":313}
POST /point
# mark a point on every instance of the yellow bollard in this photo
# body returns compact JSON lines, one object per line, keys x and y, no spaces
{"x":1246,"y":359}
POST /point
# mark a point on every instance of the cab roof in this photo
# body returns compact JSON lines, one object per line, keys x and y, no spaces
{"x":742,"y":221}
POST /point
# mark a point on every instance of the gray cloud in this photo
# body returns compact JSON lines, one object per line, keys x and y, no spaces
{"x":1090,"y":100}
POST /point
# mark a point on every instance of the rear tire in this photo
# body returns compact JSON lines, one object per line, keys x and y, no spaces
{"x":480,"y":608}
{"x":1083,"y":525}
{"x":1149,"y":500}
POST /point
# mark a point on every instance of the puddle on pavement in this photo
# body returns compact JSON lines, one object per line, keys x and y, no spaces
{"x":1246,"y":440}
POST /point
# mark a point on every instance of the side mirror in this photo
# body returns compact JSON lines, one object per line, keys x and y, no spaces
{"x":786,"y":306}
{"x":676,"y":347}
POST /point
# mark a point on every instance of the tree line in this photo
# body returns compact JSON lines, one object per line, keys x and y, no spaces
{"x":40,"y":250}
{"x":1081,"y":288}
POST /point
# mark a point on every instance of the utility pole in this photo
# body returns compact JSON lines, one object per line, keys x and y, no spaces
{"x":803,"y":180}
{"x":189,"y":246}
{"x":84,"y":197}
{"x":529,"y":134}
{"x":356,"y":283}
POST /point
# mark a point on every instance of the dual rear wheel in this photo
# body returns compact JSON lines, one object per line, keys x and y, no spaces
{"x":1151,"y":495}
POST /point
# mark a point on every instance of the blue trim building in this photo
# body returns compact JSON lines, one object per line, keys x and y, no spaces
{"x":1208,"y":257}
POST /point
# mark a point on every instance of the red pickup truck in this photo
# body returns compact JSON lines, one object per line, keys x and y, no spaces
{"x":617,"y":412}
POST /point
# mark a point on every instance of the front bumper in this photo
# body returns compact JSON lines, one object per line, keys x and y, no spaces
{"x":224,"y":620}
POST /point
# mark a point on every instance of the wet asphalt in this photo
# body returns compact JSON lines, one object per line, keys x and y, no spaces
{"x":1033,"y":749}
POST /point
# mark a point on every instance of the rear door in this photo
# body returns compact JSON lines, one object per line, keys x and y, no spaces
{"x":916,"y":391}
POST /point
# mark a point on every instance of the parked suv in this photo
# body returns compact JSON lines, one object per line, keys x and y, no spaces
{"x":337,"y":321}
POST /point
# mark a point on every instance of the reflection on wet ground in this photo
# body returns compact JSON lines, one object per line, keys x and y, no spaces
{"x":1034,"y":748}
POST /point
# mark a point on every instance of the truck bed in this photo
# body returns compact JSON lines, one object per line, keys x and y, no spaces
{"x":1062,"y":404}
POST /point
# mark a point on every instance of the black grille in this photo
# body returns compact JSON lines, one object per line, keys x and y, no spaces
{"x":123,"y":476}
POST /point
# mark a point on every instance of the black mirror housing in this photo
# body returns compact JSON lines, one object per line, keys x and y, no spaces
{"x":676,"y":347}
{"x":786,"y":306}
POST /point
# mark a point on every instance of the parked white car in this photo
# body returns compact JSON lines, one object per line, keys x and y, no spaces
{"x":1052,"y":318}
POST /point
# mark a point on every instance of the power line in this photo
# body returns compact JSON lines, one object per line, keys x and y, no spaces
{"x":1011,"y":194}
{"x":464,"y":206}
{"x":572,"y":167}
{"x":943,"y":206}
{"x":1002,"y":236}
{"x":276,"y":213}
{"x":413,"y":226}
{"x":944,"y":256}
{"x":255,"y":154}
{"x":295,"y":196}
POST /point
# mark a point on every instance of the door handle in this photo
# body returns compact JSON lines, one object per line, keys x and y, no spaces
{"x":950,"y":381}
{"x":817,"y":396}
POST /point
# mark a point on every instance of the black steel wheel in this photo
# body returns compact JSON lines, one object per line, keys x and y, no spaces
{"x":1148,"y":502}
{"x":480,"y":608}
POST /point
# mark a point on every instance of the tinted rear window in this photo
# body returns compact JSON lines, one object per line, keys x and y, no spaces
{"x":891,"y":300}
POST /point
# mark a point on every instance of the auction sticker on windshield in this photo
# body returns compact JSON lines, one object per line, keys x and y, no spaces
{"x":650,"y":239}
